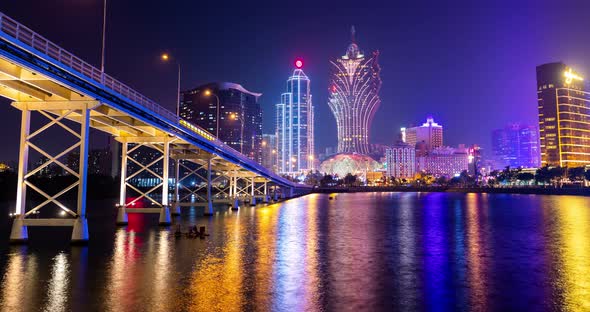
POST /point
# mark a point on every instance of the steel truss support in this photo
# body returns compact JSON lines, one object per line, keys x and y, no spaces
{"x":162,"y":145}
{"x":208,"y":187}
{"x":77,"y":216}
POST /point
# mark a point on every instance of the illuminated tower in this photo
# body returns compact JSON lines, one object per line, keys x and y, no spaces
{"x":564,"y":116}
{"x":354,"y":97}
{"x":294,"y":125}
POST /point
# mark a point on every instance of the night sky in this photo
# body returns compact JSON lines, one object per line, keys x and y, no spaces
{"x":471,"y":67}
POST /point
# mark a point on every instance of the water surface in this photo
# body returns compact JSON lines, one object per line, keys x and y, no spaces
{"x":363,"y":251}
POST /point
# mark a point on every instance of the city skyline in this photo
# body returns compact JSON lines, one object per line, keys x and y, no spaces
{"x":402,"y":73}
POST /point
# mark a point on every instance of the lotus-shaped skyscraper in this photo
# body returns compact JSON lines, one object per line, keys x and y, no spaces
{"x":354,"y":97}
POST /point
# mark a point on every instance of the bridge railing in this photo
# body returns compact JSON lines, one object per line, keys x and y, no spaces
{"x":20,"y":32}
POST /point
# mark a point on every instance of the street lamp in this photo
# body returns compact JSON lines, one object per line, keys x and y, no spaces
{"x":234,"y":116}
{"x":208,"y":93}
{"x":166,"y":57}
{"x":104,"y":29}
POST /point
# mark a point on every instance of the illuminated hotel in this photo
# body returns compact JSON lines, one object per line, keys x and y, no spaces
{"x":354,"y":97}
{"x":425,"y":138}
{"x":401,"y":161}
{"x":294,"y":125}
{"x":564,"y":116}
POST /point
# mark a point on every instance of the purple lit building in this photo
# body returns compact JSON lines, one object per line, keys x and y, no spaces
{"x":516,"y":146}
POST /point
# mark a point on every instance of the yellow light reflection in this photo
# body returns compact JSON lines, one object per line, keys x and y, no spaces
{"x":476,"y":275}
{"x":57,"y":295}
{"x":267,"y":219}
{"x":124,"y":273}
{"x":161,"y":288}
{"x":216,"y":284}
{"x":18,"y":283}
{"x":573,"y":224}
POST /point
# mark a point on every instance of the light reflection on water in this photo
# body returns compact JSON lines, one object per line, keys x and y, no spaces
{"x":372,"y":251}
{"x":573,"y":218}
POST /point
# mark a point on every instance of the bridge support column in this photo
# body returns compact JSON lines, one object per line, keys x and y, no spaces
{"x":291,"y":192}
{"x":176,"y":202}
{"x":80,"y":230}
{"x":236,"y":187}
{"x":209,"y":208}
{"x":252,"y":189}
{"x":19,"y":232}
{"x":231,"y":186}
{"x":266,"y":196}
{"x":165,"y":218}
{"x":235,"y":204}
{"x":122,"y":211}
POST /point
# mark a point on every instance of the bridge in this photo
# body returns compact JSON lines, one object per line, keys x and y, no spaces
{"x":40,"y":77}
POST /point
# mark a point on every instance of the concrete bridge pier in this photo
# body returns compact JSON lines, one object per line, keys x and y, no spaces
{"x":122,"y":216}
{"x":236,"y":204}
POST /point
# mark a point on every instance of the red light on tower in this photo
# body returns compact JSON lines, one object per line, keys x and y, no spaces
{"x":298,"y":63}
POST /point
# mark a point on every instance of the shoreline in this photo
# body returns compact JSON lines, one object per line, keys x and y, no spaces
{"x":489,"y":190}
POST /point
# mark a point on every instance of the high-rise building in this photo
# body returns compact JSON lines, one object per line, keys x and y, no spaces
{"x":564,"y":116}
{"x":295,"y":125}
{"x":401,"y":161}
{"x":354,"y":97}
{"x":227,"y":109}
{"x":269,"y":151}
{"x":425,"y":138}
{"x":516,"y":145}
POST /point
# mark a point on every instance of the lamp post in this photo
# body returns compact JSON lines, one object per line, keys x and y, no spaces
{"x":165,"y":57}
{"x":236,"y":117}
{"x":208,"y":93}
{"x":104,"y":29}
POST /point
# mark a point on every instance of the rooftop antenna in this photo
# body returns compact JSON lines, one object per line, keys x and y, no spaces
{"x":353,"y":34}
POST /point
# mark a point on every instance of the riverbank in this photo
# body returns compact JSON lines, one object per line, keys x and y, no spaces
{"x":491,"y":190}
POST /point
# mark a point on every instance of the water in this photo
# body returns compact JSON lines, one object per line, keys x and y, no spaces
{"x":371,"y":251}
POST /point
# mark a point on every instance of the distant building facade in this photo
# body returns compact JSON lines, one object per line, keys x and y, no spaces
{"x":444,"y":161}
{"x":425,"y":138}
{"x":239,"y":121}
{"x":564,"y":116}
{"x":354,"y":97}
{"x":401,"y":161}
{"x":516,"y":145}
{"x":269,"y":151}
{"x":295,"y":125}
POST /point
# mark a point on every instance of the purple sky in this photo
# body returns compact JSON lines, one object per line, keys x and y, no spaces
{"x":471,"y":67}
